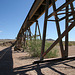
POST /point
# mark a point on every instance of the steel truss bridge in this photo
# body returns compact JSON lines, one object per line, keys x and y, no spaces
{"x":40,"y":7}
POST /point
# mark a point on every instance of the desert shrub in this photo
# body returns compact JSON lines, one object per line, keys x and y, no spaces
{"x":35,"y":49}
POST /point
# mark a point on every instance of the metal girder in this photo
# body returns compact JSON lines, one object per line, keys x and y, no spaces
{"x":66,"y":37}
{"x":37,"y":9}
{"x":60,"y":37}
{"x":58,"y":28}
{"x":44,"y":29}
{"x":60,"y":8}
{"x":38,"y":30}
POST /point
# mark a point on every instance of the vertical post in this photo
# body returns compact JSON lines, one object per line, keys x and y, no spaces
{"x":19,"y":42}
{"x":27,"y":34}
{"x":44,"y":29}
{"x":24,"y":38}
{"x":72,"y":8}
{"x":58,"y":29}
{"x":30,"y":33}
{"x":39,"y":30}
{"x":27,"y":37}
{"x":35,"y":30}
{"x":66,"y":37}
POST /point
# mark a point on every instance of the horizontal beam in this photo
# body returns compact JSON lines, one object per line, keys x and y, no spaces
{"x":61,"y":7}
{"x":51,"y":20}
{"x":65,"y":9}
{"x":66,"y":16}
{"x":71,"y":19}
{"x":64,"y":13}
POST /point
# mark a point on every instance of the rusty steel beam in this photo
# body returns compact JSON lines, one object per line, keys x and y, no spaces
{"x":39,"y":7}
{"x":64,"y":13}
{"x":58,"y":29}
{"x":73,"y":13}
{"x":38,"y":30}
{"x":71,"y":19}
{"x":36,"y":7}
{"x":66,"y":37}
{"x":44,"y":29}
{"x":35,"y":30}
{"x":60,"y":8}
{"x":24,"y":39}
{"x":65,"y":9}
{"x":59,"y":38}
{"x":30,"y":33}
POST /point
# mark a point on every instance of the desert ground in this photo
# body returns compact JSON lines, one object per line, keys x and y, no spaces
{"x":20,"y":63}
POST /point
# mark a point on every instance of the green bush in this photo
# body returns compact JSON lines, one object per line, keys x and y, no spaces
{"x":35,"y":49}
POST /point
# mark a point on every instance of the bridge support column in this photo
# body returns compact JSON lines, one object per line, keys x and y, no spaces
{"x":66,"y":37}
{"x":38,"y":30}
{"x":44,"y":29}
{"x":29,"y":30}
{"x":64,"y":52}
{"x":58,"y":29}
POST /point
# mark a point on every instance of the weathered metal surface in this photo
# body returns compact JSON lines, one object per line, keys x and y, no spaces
{"x":58,"y":28}
{"x":60,"y":37}
{"x":37,"y":8}
{"x":45,"y":28}
{"x":66,"y":37}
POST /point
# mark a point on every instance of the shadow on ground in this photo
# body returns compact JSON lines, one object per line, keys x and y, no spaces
{"x":37,"y":67}
{"x":6,"y":62}
{"x":6,"y":65}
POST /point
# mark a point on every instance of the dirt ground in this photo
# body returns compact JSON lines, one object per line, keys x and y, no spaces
{"x":23,"y":64}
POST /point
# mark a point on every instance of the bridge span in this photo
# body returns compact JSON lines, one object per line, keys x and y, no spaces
{"x":40,"y":7}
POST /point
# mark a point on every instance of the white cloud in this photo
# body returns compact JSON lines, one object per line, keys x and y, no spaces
{"x":0,"y":31}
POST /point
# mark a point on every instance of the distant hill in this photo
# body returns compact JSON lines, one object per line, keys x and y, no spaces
{"x":49,"y":39}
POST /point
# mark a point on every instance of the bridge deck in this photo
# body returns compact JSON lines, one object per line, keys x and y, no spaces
{"x":37,"y":9}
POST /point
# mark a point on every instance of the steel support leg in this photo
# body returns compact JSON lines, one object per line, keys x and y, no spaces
{"x":39,"y":30}
{"x":35,"y":31}
{"x":58,"y":29}
{"x":59,"y":38}
{"x":66,"y":37}
{"x":44,"y":29}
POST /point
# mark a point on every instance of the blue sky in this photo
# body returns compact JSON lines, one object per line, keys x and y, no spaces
{"x":13,"y":14}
